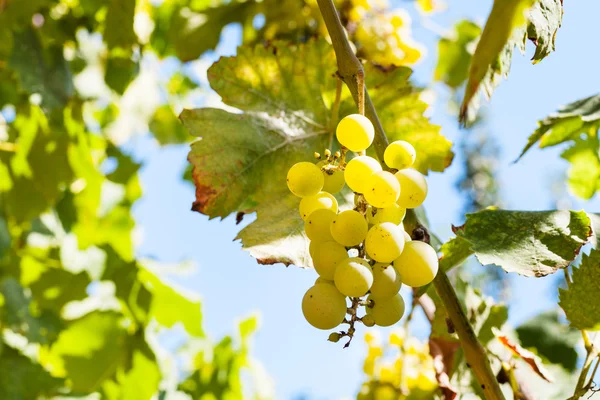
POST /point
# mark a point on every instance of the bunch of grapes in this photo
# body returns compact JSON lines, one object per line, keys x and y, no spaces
{"x":362,"y":255}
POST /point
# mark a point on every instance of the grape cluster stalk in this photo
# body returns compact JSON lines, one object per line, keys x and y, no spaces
{"x":362,"y":255}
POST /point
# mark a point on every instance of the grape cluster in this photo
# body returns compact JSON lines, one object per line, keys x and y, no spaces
{"x":361,"y":254}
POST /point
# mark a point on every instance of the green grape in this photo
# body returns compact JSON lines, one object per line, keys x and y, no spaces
{"x":334,"y":337}
{"x":323,"y":306}
{"x":368,"y":320}
{"x":407,"y":237}
{"x":321,"y":200}
{"x":305,"y":179}
{"x":317,"y":225}
{"x":382,"y":190}
{"x":359,"y":170}
{"x":353,"y":277}
{"x":385,"y":242}
{"x":414,"y":188}
{"x":349,"y":228}
{"x":326,"y":258}
{"x":355,"y":132}
{"x":386,"y":312}
{"x":394,"y":214}
{"x":418,"y":264}
{"x":399,"y":155}
{"x":386,"y":281}
{"x":334,"y":181}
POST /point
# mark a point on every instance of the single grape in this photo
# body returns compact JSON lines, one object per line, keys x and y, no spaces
{"x":394,"y":214}
{"x":326,"y":258}
{"x":317,"y":225}
{"x":382,"y":190}
{"x":321,"y":200}
{"x":386,"y":312}
{"x":349,"y":228}
{"x":353,"y":277}
{"x":384,"y":242}
{"x":323,"y":306}
{"x":359,"y":170}
{"x":312,"y":245}
{"x":399,"y":155}
{"x":386,"y":281}
{"x":414,"y":188}
{"x":305,"y":179}
{"x":368,"y":320}
{"x":334,"y":180}
{"x":334,"y":337}
{"x":418,"y":264}
{"x":323,"y":280}
{"x":407,"y":237}
{"x":355,"y":132}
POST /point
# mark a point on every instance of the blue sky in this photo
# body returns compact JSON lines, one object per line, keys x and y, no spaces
{"x":233,"y":285}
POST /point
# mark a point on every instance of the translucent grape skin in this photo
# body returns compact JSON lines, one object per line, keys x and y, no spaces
{"x":386,"y":281}
{"x":399,"y":155}
{"x":323,"y":306}
{"x":349,"y":228}
{"x":394,"y":214}
{"x":355,"y":132}
{"x":414,"y":188}
{"x":326,"y":257}
{"x":321,"y":200}
{"x":386,"y":312}
{"x":382,"y":189}
{"x":305,"y":179}
{"x":318,"y":225}
{"x":407,"y":238}
{"x":384,"y":242}
{"x":418,"y":264}
{"x":359,"y":170}
{"x":334,"y":182}
{"x":353,"y":277}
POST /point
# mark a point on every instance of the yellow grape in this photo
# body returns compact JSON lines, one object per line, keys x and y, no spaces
{"x":386,"y":281}
{"x":323,"y":306}
{"x":326,"y":257}
{"x":355,"y":132}
{"x":386,"y":312}
{"x":382,"y":190}
{"x":305,"y":179}
{"x":399,"y":155}
{"x":349,"y":228}
{"x":414,"y":188}
{"x":418,"y":264}
{"x":317,"y":225}
{"x":407,"y":237}
{"x":353,"y":277}
{"x":321,"y":200}
{"x":323,"y":280}
{"x":359,"y":170}
{"x":385,"y":242}
{"x":334,"y":181}
{"x":394,"y":214}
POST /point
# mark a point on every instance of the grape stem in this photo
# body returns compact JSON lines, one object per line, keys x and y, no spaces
{"x":351,"y":71}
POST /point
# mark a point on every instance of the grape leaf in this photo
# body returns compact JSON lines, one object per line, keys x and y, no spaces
{"x":531,"y":243}
{"x":23,"y":379}
{"x":166,"y":128}
{"x":120,"y":72}
{"x":118,"y":29}
{"x":454,"y":54}
{"x":286,"y":92}
{"x":551,"y":339}
{"x":581,"y":116}
{"x":580,"y":299}
{"x":534,"y":362}
{"x":509,"y":25}
{"x":139,"y":383}
{"x":583,"y":176}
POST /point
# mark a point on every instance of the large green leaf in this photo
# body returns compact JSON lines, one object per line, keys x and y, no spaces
{"x":454,"y":54}
{"x":531,"y":243}
{"x":580,"y":299}
{"x":509,"y":25}
{"x":21,"y":378}
{"x":551,"y":339}
{"x":581,"y":116}
{"x":285,"y":92}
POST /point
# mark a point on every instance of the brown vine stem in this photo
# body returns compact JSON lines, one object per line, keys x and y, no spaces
{"x":351,"y":71}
